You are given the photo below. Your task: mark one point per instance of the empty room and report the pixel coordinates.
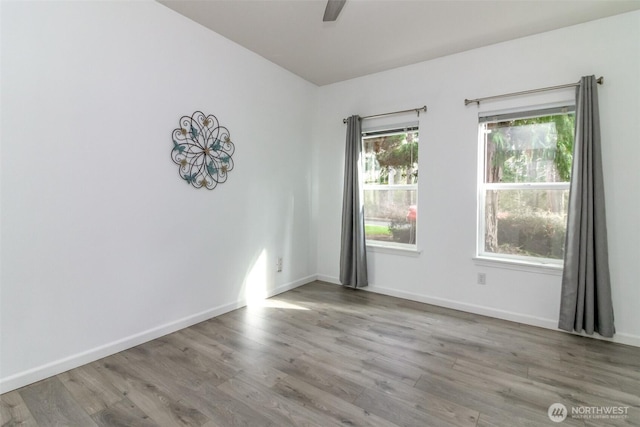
(319, 213)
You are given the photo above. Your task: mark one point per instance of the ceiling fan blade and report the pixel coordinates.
(333, 10)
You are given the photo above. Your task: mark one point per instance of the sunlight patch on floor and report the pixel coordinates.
(274, 303)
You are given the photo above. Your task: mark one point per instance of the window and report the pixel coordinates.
(391, 186)
(524, 175)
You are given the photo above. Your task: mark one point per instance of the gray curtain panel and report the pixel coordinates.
(353, 250)
(586, 288)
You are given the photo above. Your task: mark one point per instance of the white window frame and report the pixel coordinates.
(492, 117)
(392, 130)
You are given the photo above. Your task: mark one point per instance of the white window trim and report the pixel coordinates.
(393, 248)
(409, 249)
(516, 262)
(519, 265)
(390, 187)
(526, 186)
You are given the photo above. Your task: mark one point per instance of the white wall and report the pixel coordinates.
(103, 245)
(445, 273)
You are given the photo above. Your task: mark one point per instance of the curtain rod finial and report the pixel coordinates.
(600, 80)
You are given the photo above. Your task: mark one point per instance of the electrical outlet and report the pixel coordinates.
(482, 279)
(279, 264)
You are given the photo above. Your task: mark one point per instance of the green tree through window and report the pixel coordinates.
(527, 169)
(390, 186)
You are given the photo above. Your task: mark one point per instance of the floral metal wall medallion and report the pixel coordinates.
(202, 149)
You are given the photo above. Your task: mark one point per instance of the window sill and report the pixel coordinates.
(531, 267)
(394, 250)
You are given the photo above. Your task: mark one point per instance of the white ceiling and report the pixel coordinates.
(371, 36)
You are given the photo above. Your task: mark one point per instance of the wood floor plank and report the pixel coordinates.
(538, 395)
(279, 410)
(184, 363)
(429, 403)
(202, 344)
(611, 391)
(14, 411)
(395, 411)
(326, 405)
(491, 399)
(89, 388)
(123, 413)
(489, 421)
(320, 377)
(197, 393)
(598, 374)
(51, 404)
(520, 393)
(148, 393)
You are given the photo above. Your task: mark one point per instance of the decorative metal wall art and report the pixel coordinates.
(202, 149)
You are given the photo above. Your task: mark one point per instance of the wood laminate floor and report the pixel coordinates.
(322, 355)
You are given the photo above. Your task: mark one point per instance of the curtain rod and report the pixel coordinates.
(417, 110)
(525, 92)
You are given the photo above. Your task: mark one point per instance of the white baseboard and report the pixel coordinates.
(466, 307)
(329, 279)
(56, 367)
(621, 338)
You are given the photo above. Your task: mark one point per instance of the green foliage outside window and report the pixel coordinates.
(537, 150)
(390, 190)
